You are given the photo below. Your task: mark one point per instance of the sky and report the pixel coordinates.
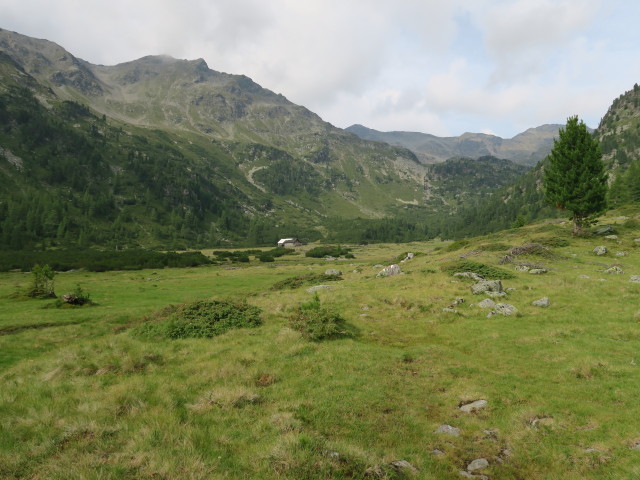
(442, 67)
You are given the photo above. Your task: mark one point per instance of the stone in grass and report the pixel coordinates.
(600, 250)
(404, 465)
(505, 309)
(487, 286)
(611, 237)
(473, 406)
(637, 240)
(496, 294)
(464, 473)
(621, 254)
(318, 287)
(614, 270)
(475, 276)
(448, 430)
(537, 271)
(389, 271)
(523, 268)
(487, 303)
(603, 230)
(635, 279)
(449, 310)
(477, 464)
(543, 302)
(332, 272)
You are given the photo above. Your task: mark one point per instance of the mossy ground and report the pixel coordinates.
(83, 397)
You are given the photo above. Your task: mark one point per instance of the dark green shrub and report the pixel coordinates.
(42, 282)
(316, 323)
(327, 251)
(266, 257)
(201, 319)
(457, 245)
(487, 271)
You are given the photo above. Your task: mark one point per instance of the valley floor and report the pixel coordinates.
(83, 396)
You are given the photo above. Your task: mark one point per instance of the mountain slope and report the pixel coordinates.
(526, 148)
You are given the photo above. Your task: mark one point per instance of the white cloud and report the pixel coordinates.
(437, 66)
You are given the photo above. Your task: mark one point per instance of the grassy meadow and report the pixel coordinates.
(82, 396)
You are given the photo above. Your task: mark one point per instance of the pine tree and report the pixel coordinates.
(574, 177)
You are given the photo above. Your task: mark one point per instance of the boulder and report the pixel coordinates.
(611, 237)
(537, 271)
(505, 309)
(543, 302)
(332, 272)
(487, 303)
(523, 268)
(448, 430)
(615, 270)
(487, 286)
(315, 288)
(635, 279)
(389, 271)
(403, 465)
(600, 250)
(473, 406)
(449, 310)
(604, 230)
(478, 464)
(472, 275)
(621, 254)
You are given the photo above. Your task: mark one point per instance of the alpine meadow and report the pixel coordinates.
(201, 279)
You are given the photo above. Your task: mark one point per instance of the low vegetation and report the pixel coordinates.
(364, 379)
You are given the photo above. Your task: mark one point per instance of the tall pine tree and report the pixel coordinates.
(574, 177)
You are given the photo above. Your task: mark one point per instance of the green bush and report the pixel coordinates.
(457, 245)
(316, 323)
(487, 271)
(266, 257)
(324, 251)
(201, 319)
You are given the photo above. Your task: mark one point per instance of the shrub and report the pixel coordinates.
(324, 251)
(42, 282)
(77, 298)
(457, 245)
(266, 257)
(316, 323)
(487, 271)
(201, 319)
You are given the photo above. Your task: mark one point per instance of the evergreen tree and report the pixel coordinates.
(574, 177)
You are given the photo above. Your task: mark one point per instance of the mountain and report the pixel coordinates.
(178, 154)
(526, 148)
(619, 136)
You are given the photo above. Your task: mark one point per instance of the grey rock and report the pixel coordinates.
(473, 406)
(315, 288)
(403, 465)
(466, 474)
(475, 276)
(449, 310)
(637, 240)
(635, 279)
(487, 286)
(522, 268)
(603, 230)
(409, 256)
(329, 258)
(621, 254)
(600, 250)
(478, 464)
(457, 301)
(611, 237)
(537, 271)
(584, 276)
(505, 309)
(448, 430)
(333, 272)
(614, 270)
(437, 453)
(487, 303)
(496, 294)
(543, 302)
(389, 271)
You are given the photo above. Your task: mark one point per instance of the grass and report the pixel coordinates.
(84, 397)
